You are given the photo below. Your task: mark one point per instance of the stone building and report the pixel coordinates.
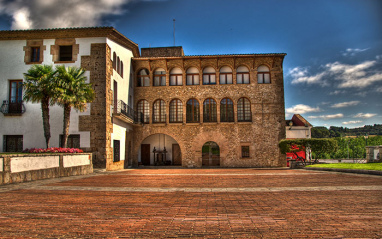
(157, 107)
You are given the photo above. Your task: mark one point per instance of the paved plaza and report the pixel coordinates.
(195, 203)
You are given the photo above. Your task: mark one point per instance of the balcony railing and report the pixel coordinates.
(159, 118)
(123, 108)
(12, 108)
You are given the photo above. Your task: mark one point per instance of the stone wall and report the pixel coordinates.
(162, 51)
(99, 121)
(267, 108)
(17, 168)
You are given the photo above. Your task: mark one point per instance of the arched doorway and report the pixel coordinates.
(210, 154)
(159, 149)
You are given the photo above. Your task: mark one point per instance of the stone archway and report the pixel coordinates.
(159, 149)
(210, 154)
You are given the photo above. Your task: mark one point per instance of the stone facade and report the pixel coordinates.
(262, 134)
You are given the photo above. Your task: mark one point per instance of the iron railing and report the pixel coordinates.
(12, 108)
(123, 108)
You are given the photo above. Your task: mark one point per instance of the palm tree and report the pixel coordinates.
(39, 86)
(73, 92)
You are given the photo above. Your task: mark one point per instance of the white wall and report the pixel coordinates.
(158, 141)
(298, 132)
(123, 92)
(30, 123)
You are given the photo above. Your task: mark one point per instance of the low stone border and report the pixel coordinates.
(342, 170)
(17, 168)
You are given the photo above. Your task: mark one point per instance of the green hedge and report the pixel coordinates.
(316, 145)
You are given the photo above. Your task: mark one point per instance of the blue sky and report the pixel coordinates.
(333, 67)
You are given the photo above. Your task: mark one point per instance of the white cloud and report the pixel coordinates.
(300, 75)
(352, 122)
(364, 116)
(379, 89)
(337, 92)
(345, 104)
(379, 57)
(36, 14)
(327, 117)
(353, 51)
(349, 76)
(301, 109)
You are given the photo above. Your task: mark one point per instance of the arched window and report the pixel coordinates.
(244, 110)
(143, 78)
(159, 77)
(192, 76)
(225, 75)
(143, 109)
(242, 75)
(192, 111)
(176, 77)
(114, 61)
(263, 75)
(121, 69)
(226, 110)
(118, 66)
(159, 112)
(209, 111)
(176, 111)
(209, 76)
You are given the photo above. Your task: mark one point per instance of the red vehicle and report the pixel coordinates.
(298, 156)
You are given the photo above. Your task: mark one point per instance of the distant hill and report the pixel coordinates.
(333, 131)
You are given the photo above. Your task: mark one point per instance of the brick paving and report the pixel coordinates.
(318, 205)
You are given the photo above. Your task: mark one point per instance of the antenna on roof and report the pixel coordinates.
(174, 30)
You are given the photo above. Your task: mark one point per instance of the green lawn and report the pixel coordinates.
(362, 166)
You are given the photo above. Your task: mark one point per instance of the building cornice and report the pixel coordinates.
(81, 32)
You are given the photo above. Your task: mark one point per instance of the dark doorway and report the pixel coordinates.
(176, 155)
(210, 154)
(117, 151)
(145, 154)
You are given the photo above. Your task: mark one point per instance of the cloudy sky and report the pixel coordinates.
(333, 67)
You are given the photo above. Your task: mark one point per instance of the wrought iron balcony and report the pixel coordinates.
(124, 109)
(16, 108)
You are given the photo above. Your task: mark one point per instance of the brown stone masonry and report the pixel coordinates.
(267, 108)
(99, 121)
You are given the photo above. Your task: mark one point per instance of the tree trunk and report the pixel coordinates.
(67, 109)
(45, 120)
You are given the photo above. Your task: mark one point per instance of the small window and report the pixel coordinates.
(225, 75)
(13, 143)
(66, 53)
(143, 78)
(159, 112)
(73, 141)
(35, 54)
(114, 61)
(245, 151)
(226, 110)
(143, 111)
(176, 111)
(176, 77)
(263, 75)
(159, 77)
(209, 111)
(121, 71)
(192, 111)
(209, 76)
(244, 110)
(192, 76)
(242, 75)
(15, 96)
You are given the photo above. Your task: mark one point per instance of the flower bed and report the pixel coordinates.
(53, 150)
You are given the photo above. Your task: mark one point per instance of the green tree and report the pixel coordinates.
(39, 86)
(73, 92)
